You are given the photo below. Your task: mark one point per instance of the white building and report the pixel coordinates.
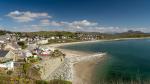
(5, 55)
(2, 41)
(53, 37)
(23, 39)
(27, 54)
(42, 42)
(8, 65)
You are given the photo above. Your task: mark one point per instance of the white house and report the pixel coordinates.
(42, 41)
(52, 37)
(5, 55)
(27, 54)
(9, 65)
(2, 41)
(23, 39)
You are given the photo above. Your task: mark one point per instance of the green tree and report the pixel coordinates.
(22, 44)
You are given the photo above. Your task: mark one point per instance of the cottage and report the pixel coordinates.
(23, 39)
(42, 41)
(9, 65)
(7, 55)
(52, 37)
(27, 54)
(89, 35)
(12, 46)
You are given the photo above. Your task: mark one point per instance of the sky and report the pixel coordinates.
(75, 15)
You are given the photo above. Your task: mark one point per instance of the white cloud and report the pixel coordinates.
(29, 28)
(111, 29)
(85, 25)
(47, 22)
(74, 24)
(98, 28)
(27, 16)
(80, 24)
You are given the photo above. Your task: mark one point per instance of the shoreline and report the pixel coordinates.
(84, 70)
(82, 64)
(78, 75)
(58, 45)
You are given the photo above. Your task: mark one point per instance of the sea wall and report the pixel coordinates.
(65, 70)
(48, 66)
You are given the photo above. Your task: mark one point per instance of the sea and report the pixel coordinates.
(126, 62)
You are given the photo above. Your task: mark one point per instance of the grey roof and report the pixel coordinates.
(15, 45)
(3, 53)
(3, 37)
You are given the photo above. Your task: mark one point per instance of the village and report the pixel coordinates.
(20, 57)
(16, 48)
(33, 57)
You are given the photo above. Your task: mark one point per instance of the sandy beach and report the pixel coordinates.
(82, 70)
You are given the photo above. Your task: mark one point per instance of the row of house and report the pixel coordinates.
(8, 51)
(11, 52)
(38, 51)
(7, 59)
(41, 40)
(89, 35)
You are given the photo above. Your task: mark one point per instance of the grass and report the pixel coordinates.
(55, 81)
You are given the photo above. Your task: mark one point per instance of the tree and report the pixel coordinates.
(22, 44)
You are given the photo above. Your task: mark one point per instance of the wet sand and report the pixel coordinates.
(83, 72)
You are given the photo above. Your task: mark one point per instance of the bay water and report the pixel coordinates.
(126, 60)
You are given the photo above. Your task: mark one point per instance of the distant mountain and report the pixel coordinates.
(133, 32)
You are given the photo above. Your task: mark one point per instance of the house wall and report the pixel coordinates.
(42, 42)
(8, 65)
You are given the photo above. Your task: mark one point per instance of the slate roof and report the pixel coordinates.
(3, 37)
(3, 53)
(15, 45)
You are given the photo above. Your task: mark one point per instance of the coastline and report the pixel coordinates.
(81, 64)
(58, 45)
(84, 71)
(78, 75)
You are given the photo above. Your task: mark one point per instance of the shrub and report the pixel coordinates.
(9, 72)
(22, 44)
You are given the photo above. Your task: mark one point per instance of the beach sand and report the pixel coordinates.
(83, 70)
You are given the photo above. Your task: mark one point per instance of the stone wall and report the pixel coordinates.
(65, 70)
(48, 66)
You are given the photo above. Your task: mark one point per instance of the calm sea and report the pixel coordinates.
(127, 60)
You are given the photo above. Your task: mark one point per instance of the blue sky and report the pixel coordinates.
(75, 15)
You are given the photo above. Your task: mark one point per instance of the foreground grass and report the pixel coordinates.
(53, 82)
(10, 80)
